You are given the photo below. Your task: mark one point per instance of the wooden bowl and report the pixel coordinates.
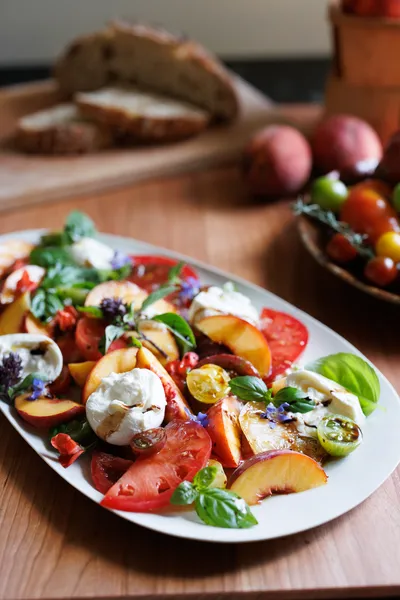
(311, 234)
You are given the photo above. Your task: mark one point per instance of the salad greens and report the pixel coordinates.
(250, 389)
(215, 506)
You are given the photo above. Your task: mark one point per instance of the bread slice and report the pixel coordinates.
(153, 58)
(143, 116)
(61, 130)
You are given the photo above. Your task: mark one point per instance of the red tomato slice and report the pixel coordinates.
(287, 338)
(69, 348)
(107, 469)
(150, 482)
(151, 271)
(88, 335)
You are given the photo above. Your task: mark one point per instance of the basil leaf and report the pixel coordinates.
(79, 431)
(157, 295)
(93, 311)
(56, 238)
(204, 478)
(50, 256)
(251, 389)
(354, 374)
(78, 226)
(175, 272)
(61, 275)
(180, 329)
(222, 508)
(75, 295)
(112, 333)
(134, 342)
(297, 400)
(184, 494)
(45, 304)
(25, 384)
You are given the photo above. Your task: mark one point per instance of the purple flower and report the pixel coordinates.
(189, 289)
(200, 418)
(119, 260)
(10, 370)
(38, 388)
(277, 415)
(112, 308)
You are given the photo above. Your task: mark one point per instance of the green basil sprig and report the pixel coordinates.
(354, 374)
(297, 400)
(214, 506)
(77, 226)
(159, 294)
(180, 329)
(250, 389)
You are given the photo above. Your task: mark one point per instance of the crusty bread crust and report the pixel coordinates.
(145, 56)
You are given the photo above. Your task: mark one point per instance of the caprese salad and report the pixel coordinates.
(180, 393)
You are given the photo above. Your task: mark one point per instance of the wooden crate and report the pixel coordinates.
(366, 50)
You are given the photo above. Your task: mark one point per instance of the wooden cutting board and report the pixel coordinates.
(25, 179)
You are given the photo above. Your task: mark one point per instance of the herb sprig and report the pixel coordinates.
(215, 506)
(328, 218)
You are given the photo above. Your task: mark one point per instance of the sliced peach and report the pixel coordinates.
(12, 318)
(160, 341)
(276, 472)
(242, 338)
(177, 407)
(47, 412)
(9, 292)
(80, 371)
(224, 431)
(11, 251)
(220, 480)
(262, 437)
(125, 290)
(119, 361)
(33, 325)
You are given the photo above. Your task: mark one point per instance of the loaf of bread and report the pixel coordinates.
(61, 129)
(142, 116)
(151, 58)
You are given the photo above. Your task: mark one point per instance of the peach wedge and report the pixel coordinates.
(80, 371)
(241, 337)
(129, 293)
(44, 413)
(224, 431)
(13, 317)
(177, 407)
(119, 361)
(276, 472)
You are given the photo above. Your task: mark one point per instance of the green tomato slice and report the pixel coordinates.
(338, 435)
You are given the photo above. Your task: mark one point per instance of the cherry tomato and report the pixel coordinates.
(150, 482)
(69, 449)
(377, 185)
(69, 348)
(389, 245)
(149, 272)
(381, 271)
(329, 193)
(208, 383)
(287, 338)
(106, 469)
(62, 383)
(368, 212)
(149, 442)
(340, 249)
(178, 368)
(67, 318)
(338, 435)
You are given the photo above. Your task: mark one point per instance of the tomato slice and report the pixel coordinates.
(287, 338)
(69, 348)
(88, 335)
(106, 469)
(151, 271)
(150, 482)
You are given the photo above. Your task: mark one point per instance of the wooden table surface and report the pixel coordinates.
(55, 543)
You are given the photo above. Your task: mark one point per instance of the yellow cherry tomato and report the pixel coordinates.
(208, 383)
(388, 245)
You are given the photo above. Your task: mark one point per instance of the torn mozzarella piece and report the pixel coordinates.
(125, 404)
(89, 252)
(222, 301)
(38, 353)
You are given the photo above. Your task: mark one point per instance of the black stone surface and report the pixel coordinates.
(283, 80)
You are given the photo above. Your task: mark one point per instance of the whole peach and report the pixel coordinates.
(277, 161)
(341, 141)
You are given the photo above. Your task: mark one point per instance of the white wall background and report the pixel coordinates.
(34, 31)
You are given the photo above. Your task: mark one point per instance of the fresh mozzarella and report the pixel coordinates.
(89, 252)
(38, 353)
(125, 404)
(217, 301)
(329, 396)
(34, 273)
